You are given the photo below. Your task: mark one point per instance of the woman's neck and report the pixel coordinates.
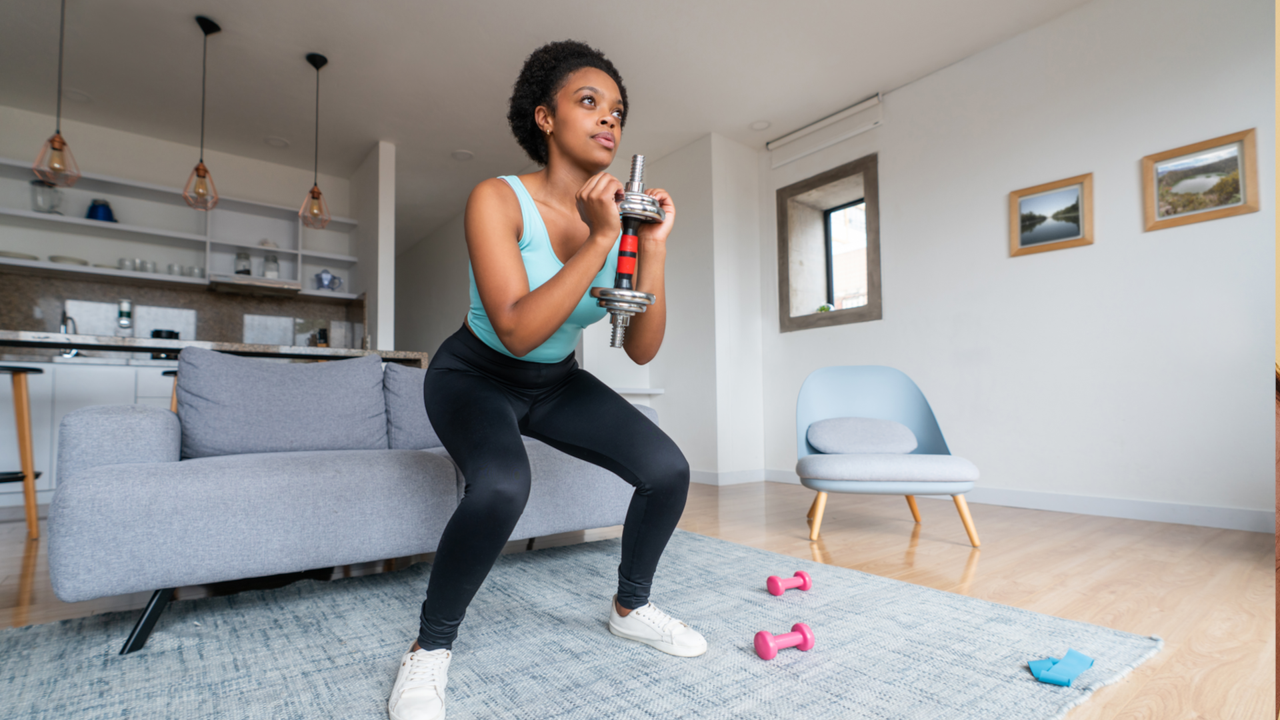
(559, 182)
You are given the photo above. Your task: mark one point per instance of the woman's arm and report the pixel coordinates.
(645, 333)
(525, 319)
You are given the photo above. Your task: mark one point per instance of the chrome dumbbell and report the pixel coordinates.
(623, 300)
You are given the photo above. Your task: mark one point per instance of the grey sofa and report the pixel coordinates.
(272, 468)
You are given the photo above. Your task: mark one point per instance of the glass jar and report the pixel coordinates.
(271, 267)
(243, 266)
(45, 197)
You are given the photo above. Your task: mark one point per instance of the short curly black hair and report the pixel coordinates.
(543, 74)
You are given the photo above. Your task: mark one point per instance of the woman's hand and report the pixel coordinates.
(598, 206)
(656, 233)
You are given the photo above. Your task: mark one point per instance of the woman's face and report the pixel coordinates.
(587, 124)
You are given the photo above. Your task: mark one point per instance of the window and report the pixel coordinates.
(829, 248)
(846, 228)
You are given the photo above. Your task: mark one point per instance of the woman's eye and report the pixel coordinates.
(589, 99)
(617, 114)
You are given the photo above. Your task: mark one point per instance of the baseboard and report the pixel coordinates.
(1263, 521)
(781, 476)
(735, 477)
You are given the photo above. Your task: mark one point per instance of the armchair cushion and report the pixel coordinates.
(860, 435)
(116, 434)
(231, 405)
(869, 467)
(408, 427)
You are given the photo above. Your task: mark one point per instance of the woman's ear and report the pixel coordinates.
(542, 116)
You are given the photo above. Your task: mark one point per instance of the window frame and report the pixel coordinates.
(831, 260)
(873, 310)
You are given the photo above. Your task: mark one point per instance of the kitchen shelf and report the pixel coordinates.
(149, 191)
(328, 256)
(329, 295)
(164, 229)
(103, 226)
(103, 272)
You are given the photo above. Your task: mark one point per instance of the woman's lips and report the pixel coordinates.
(604, 139)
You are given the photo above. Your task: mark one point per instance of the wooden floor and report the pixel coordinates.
(1209, 593)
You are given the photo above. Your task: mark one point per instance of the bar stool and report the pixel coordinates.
(173, 399)
(22, 414)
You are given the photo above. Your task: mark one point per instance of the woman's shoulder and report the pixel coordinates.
(495, 199)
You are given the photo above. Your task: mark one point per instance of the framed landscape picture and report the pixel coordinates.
(1052, 216)
(1208, 180)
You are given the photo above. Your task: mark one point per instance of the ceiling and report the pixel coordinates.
(434, 77)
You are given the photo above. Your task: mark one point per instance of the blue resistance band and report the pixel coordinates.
(1061, 672)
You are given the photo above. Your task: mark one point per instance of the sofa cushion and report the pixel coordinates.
(869, 467)
(230, 405)
(860, 435)
(141, 526)
(408, 427)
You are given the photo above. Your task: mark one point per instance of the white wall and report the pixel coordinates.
(1130, 370)
(373, 194)
(685, 367)
(738, 320)
(432, 288)
(114, 153)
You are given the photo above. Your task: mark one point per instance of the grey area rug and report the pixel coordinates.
(535, 646)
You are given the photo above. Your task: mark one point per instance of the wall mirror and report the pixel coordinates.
(829, 248)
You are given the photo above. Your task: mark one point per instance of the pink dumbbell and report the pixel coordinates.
(777, 585)
(767, 646)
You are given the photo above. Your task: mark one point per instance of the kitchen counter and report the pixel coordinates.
(58, 342)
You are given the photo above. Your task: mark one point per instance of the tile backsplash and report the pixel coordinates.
(99, 318)
(35, 302)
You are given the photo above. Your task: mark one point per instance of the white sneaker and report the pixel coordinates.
(653, 627)
(419, 690)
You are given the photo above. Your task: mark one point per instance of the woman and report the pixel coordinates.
(538, 243)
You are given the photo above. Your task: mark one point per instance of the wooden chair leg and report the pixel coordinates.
(967, 519)
(820, 505)
(813, 506)
(915, 511)
(22, 411)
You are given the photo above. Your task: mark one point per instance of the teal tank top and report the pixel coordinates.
(540, 264)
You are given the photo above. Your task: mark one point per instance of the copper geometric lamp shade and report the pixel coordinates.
(199, 192)
(315, 211)
(55, 164)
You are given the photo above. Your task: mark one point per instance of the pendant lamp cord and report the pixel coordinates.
(204, 72)
(316, 169)
(62, 31)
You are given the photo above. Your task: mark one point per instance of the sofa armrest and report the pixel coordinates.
(116, 434)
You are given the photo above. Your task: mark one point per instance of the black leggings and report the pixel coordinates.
(480, 402)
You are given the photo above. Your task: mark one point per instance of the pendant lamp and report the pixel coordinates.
(199, 191)
(55, 164)
(315, 211)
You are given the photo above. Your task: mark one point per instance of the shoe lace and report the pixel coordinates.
(425, 669)
(659, 619)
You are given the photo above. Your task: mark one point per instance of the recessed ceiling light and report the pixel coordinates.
(276, 142)
(462, 155)
(760, 125)
(76, 95)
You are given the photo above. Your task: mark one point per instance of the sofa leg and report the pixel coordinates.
(819, 506)
(530, 545)
(967, 519)
(813, 506)
(915, 511)
(151, 613)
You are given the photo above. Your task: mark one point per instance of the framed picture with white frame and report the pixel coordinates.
(1205, 181)
(1051, 216)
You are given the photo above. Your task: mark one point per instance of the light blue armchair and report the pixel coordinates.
(869, 457)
